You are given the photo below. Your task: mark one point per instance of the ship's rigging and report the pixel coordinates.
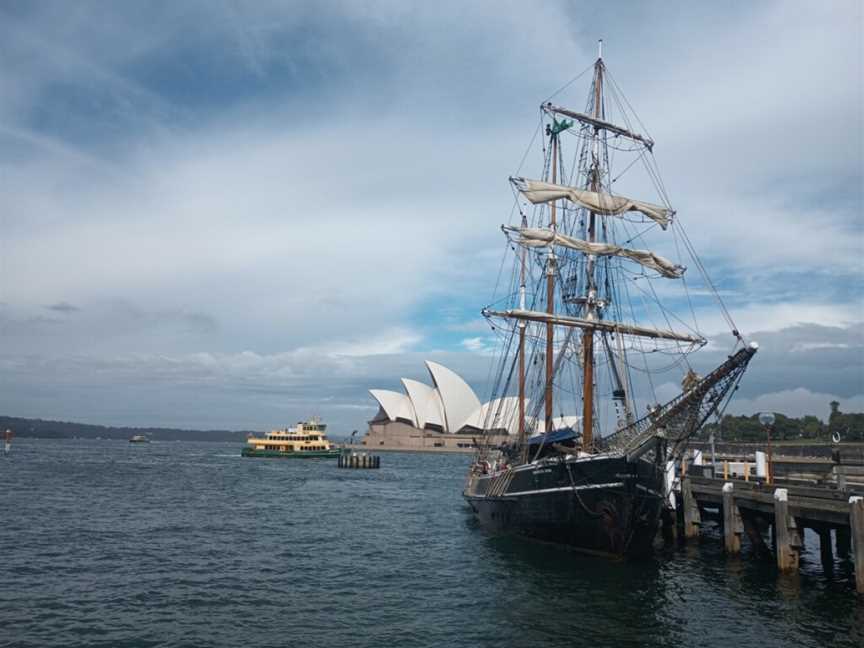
(586, 315)
(582, 306)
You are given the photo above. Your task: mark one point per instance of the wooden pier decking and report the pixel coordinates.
(821, 495)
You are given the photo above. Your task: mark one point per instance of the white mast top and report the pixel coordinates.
(600, 48)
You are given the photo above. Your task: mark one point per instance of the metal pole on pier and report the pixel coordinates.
(767, 419)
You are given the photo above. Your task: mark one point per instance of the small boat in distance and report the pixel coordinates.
(139, 438)
(306, 441)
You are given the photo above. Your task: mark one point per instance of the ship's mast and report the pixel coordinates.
(588, 335)
(522, 325)
(550, 289)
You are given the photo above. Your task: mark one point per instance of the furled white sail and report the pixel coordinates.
(543, 237)
(602, 203)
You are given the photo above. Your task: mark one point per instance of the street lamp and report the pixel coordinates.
(767, 420)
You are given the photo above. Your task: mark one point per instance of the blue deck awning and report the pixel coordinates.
(555, 436)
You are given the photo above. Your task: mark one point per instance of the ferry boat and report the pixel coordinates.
(139, 438)
(307, 440)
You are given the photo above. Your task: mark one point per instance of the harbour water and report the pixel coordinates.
(106, 543)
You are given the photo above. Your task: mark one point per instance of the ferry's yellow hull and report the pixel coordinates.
(302, 454)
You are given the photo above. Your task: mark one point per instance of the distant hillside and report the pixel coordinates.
(65, 430)
(849, 427)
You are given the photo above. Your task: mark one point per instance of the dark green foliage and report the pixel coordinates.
(850, 427)
(22, 427)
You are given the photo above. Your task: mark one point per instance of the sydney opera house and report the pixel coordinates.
(445, 416)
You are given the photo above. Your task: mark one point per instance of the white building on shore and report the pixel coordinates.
(445, 416)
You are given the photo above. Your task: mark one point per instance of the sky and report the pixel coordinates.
(240, 214)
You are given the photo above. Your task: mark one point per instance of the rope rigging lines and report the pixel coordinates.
(592, 282)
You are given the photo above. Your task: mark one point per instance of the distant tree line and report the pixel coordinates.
(848, 427)
(23, 427)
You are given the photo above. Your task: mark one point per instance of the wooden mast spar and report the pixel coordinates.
(550, 290)
(522, 325)
(588, 335)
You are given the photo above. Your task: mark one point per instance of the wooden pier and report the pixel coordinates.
(362, 460)
(820, 497)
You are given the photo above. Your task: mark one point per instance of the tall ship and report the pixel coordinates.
(306, 441)
(590, 311)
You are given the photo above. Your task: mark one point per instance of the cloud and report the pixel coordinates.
(226, 193)
(478, 345)
(63, 307)
(247, 389)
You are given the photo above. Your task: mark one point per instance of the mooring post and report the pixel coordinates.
(670, 515)
(732, 525)
(670, 484)
(856, 523)
(839, 476)
(785, 532)
(692, 519)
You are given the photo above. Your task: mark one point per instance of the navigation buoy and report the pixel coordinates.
(7, 446)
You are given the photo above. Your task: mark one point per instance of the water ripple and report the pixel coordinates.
(184, 544)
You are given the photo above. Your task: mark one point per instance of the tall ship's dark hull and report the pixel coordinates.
(598, 504)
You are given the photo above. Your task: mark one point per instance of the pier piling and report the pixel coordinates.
(856, 523)
(844, 542)
(786, 532)
(692, 519)
(826, 547)
(361, 461)
(732, 525)
(751, 528)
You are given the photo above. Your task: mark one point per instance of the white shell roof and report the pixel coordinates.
(394, 404)
(458, 398)
(452, 404)
(497, 414)
(426, 401)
